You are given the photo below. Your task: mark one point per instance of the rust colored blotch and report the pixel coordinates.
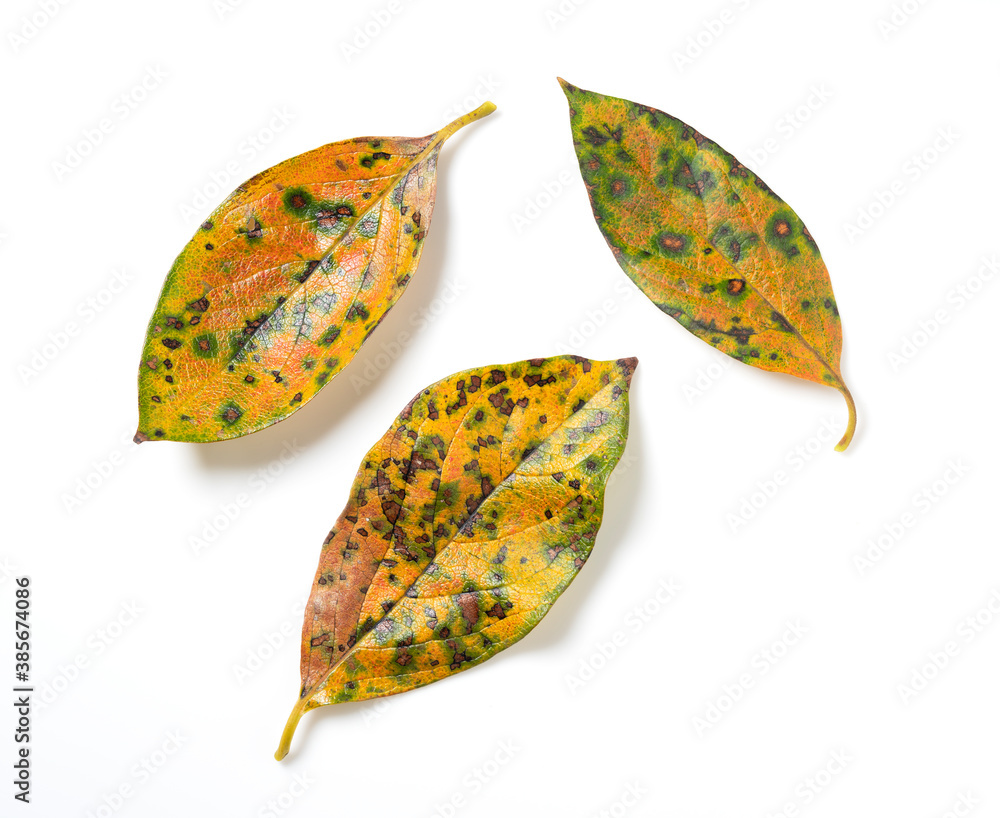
(672, 242)
(469, 607)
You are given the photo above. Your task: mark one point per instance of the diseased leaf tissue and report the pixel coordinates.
(283, 283)
(707, 240)
(465, 522)
(483, 500)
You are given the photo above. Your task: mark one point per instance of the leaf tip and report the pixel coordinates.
(567, 87)
(140, 437)
(627, 366)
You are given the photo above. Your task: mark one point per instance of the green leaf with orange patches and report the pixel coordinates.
(466, 520)
(283, 283)
(707, 240)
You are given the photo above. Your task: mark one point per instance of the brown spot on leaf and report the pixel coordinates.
(469, 606)
(672, 242)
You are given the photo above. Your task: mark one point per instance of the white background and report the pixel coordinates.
(196, 663)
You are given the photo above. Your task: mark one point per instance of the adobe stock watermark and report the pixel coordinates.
(629, 798)
(93, 136)
(281, 803)
(796, 459)
(235, 169)
(706, 377)
(227, 513)
(34, 23)
(484, 89)
(223, 8)
(477, 779)
(761, 663)
(627, 461)
(913, 170)
(939, 659)
(95, 645)
(711, 30)
(86, 312)
(271, 641)
(963, 806)
(419, 321)
(898, 17)
(541, 200)
(102, 469)
(596, 319)
(633, 623)
(367, 31)
(812, 786)
(375, 709)
(6, 570)
(878, 546)
(139, 775)
(559, 13)
(955, 300)
(788, 125)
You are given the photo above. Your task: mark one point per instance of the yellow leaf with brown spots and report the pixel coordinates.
(283, 283)
(707, 241)
(466, 520)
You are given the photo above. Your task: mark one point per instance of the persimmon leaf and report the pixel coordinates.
(707, 240)
(466, 520)
(283, 283)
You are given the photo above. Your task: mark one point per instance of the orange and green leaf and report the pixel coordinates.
(465, 522)
(707, 240)
(283, 283)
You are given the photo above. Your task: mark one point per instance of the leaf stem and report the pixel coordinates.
(289, 731)
(852, 420)
(485, 109)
